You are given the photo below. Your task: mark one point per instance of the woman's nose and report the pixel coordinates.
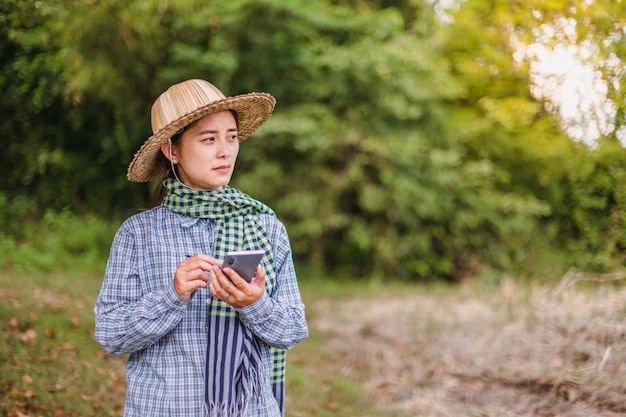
(223, 149)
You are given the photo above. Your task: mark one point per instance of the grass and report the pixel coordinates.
(316, 385)
(488, 349)
(50, 364)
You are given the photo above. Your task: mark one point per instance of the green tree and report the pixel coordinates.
(523, 134)
(360, 163)
(594, 33)
(36, 116)
(358, 157)
(400, 145)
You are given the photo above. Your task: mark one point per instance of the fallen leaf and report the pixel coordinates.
(68, 346)
(28, 336)
(113, 376)
(54, 352)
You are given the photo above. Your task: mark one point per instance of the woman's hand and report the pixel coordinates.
(228, 286)
(191, 274)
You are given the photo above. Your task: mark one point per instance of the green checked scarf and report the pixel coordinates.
(234, 370)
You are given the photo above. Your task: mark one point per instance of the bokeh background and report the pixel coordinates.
(413, 142)
(415, 139)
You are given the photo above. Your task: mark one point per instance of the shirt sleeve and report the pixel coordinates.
(127, 319)
(279, 320)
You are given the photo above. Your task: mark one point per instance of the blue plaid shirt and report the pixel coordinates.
(139, 312)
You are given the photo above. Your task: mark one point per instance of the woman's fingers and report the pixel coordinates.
(225, 284)
(191, 274)
(229, 287)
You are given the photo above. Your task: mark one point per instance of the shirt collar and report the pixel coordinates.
(188, 221)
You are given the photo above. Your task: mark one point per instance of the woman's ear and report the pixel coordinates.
(169, 153)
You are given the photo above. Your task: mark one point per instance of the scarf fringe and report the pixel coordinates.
(240, 407)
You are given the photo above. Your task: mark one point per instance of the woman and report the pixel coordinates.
(202, 340)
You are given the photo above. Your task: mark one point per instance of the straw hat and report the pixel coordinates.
(183, 104)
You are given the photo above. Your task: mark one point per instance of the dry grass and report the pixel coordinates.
(514, 351)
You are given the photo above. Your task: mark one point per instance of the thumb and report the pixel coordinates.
(259, 279)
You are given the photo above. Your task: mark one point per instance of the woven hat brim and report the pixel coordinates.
(252, 110)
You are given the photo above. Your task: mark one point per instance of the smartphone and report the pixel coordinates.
(244, 262)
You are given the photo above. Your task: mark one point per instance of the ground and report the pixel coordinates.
(503, 349)
(517, 350)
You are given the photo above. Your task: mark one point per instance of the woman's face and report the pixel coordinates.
(206, 152)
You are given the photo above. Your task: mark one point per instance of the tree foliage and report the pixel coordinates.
(517, 129)
(593, 33)
(401, 145)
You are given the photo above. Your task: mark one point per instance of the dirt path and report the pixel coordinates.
(508, 352)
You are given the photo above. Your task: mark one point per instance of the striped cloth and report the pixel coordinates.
(233, 363)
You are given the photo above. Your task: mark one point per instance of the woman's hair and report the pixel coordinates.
(159, 192)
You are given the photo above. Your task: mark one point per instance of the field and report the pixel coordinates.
(508, 351)
(503, 349)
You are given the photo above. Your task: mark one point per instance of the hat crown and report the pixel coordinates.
(183, 104)
(182, 99)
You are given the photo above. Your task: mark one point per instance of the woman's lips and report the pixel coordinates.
(222, 168)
